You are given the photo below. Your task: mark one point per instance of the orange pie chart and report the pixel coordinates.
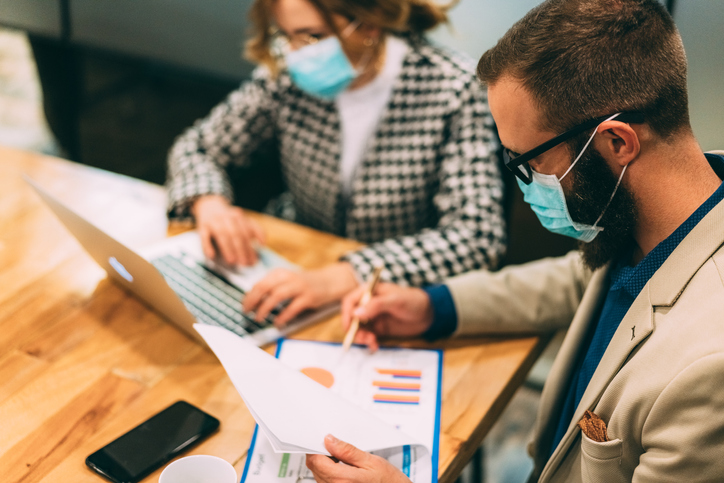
(322, 376)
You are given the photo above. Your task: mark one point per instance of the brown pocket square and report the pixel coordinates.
(593, 427)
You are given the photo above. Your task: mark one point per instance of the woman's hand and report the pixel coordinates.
(304, 290)
(226, 231)
(359, 467)
(393, 311)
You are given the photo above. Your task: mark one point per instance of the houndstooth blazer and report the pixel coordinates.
(426, 196)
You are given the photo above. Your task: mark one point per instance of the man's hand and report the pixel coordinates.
(359, 467)
(226, 226)
(304, 290)
(393, 311)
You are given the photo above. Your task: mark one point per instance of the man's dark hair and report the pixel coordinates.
(585, 58)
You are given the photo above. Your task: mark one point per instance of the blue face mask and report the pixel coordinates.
(545, 196)
(322, 69)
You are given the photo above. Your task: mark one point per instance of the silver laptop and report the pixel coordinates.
(174, 278)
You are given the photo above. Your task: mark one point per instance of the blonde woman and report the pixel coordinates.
(383, 138)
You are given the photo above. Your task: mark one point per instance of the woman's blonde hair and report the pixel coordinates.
(398, 16)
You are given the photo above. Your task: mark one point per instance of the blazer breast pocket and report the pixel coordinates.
(601, 462)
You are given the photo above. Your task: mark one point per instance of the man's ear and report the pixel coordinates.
(617, 142)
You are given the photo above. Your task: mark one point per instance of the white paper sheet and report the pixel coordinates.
(294, 413)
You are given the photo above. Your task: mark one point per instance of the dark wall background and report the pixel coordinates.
(122, 78)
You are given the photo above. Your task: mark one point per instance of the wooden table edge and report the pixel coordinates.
(467, 448)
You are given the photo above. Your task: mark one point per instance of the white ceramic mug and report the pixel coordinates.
(198, 469)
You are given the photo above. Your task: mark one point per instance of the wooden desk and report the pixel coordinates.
(81, 361)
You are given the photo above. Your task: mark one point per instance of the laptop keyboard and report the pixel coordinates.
(208, 296)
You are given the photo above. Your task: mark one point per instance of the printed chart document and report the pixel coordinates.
(387, 403)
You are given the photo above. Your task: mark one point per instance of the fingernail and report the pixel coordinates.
(359, 312)
(331, 439)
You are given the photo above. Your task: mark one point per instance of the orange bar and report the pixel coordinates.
(400, 372)
(395, 398)
(397, 385)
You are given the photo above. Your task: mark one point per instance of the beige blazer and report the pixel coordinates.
(660, 384)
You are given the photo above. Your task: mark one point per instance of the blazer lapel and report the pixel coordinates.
(556, 385)
(635, 327)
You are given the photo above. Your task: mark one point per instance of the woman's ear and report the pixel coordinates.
(370, 33)
(617, 142)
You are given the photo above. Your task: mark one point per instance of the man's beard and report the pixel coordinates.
(593, 185)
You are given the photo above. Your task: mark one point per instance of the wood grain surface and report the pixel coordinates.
(82, 361)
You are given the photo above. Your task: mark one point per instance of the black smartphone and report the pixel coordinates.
(152, 443)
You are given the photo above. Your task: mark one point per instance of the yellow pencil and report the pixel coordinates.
(354, 326)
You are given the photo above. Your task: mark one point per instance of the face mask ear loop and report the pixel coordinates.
(586, 147)
(350, 28)
(612, 195)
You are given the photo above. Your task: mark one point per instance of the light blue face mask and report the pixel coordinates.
(322, 69)
(545, 196)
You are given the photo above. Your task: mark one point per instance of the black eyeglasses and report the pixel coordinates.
(518, 163)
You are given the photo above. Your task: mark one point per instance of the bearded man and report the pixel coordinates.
(590, 101)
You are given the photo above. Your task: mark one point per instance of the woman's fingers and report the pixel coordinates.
(274, 297)
(206, 244)
(295, 307)
(227, 227)
(262, 288)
